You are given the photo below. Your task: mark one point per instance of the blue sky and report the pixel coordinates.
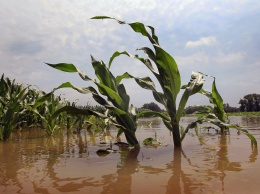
(216, 37)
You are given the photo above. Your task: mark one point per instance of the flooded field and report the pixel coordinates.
(68, 163)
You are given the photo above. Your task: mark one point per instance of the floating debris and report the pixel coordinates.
(105, 152)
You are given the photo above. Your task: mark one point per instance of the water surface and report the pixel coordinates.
(207, 163)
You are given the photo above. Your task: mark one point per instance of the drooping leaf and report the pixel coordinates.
(69, 85)
(139, 28)
(67, 67)
(123, 76)
(116, 54)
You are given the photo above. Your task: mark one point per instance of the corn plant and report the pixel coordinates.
(48, 104)
(12, 106)
(117, 98)
(71, 120)
(168, 76)
(216, 115)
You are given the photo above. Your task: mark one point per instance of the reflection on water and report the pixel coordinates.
(251, 122)
(67, 162)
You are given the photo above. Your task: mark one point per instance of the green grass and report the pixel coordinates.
(244, 114)
(229, 114)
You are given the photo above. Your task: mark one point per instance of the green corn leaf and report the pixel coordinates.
(103, 74)
(123, 76)
(116, 54)
(101, 17)
(47, 96)
(100, 99)
(149, 53)
(168, 125)
(69, 85)
(218, 102)
(172, 74)
(253, 140)
(113, 96)
(120, 131)
(123, 118)
(153, 34)
(139, 28)
(207, 94)
(163, 60)
(144, 61)
(160, 97)
(136, 26)
(67, 67)
(124, 96)
(41, 100)
(145, 83)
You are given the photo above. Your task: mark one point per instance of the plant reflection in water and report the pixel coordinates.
(32, 162)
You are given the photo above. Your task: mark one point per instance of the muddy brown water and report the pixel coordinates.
(67, 163)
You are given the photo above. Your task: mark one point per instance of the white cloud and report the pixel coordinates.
(231, 58)
(60, 31)
(210, 40)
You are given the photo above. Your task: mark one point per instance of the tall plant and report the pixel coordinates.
(167, 74)
(109, 86)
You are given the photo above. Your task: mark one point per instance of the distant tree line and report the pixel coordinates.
(152, 106)
(250, 103)
(196, 109)
(228, 108)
